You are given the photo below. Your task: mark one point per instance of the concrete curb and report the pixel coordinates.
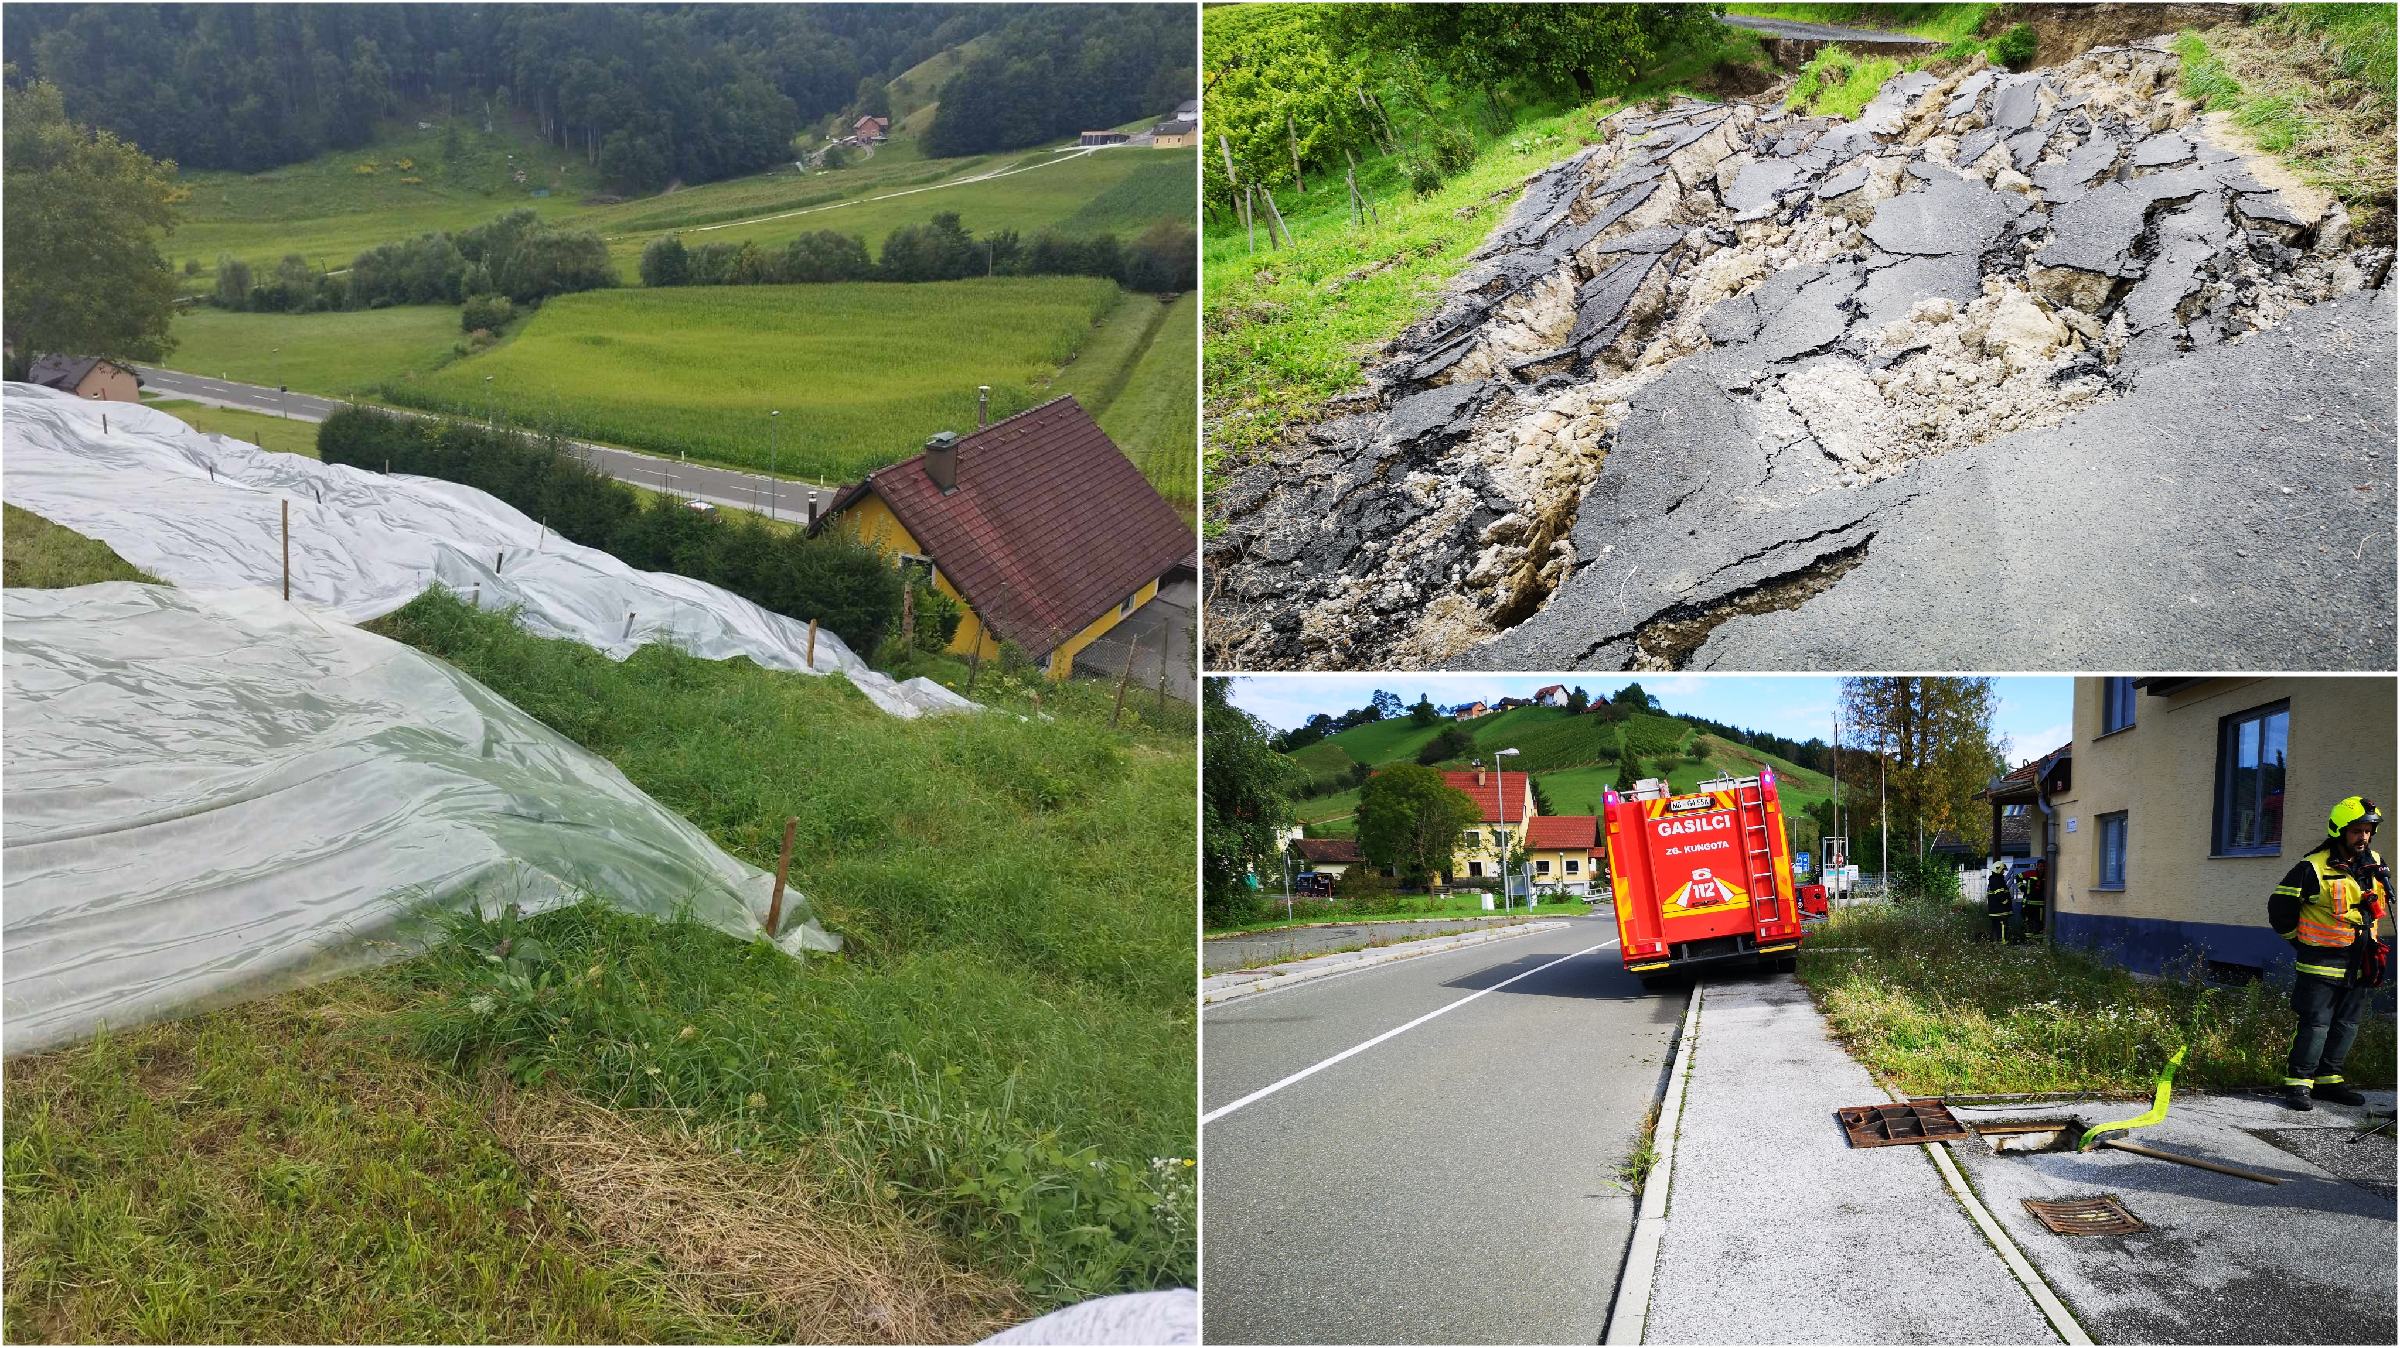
(1629, 1315)
(2062, 1320)
(1238, 983)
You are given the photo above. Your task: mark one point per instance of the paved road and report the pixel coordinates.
(692, 481)
(1455, 1183)
(1220, 953)
(1823, 32)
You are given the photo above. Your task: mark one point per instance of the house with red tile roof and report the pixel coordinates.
(1504, 802)
(1038, 525)
(1565, 853)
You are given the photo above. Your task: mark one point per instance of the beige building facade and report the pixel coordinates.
(2188, 800)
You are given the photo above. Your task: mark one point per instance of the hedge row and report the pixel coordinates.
(832, 578)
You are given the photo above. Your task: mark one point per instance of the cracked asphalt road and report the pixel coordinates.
(2013, 371)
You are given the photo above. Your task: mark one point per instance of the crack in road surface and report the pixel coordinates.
(1725, 331)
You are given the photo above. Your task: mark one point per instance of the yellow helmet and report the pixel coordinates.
(2351, 810)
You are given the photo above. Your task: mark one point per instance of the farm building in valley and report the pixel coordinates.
(1104, 138)
(1037, 524)
(1175, 134)
(87, 377)
(871, 128)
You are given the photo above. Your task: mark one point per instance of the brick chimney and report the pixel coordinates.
(941, 461)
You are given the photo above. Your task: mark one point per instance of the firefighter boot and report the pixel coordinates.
(2334, 1092)
(2295, 1096)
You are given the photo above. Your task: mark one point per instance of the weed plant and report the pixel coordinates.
(1926, 1005)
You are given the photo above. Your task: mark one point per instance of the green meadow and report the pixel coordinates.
(337, 354)
(1135, 378)
(862, 372)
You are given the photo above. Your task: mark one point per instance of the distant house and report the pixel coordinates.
(1037, 524)
(1188, 111)
(871, 127)
(1175, 134)
(1104, 138)
(1472, 710)
(1565, 852)
(1553, 696)
(1327, 856)
(87, 377)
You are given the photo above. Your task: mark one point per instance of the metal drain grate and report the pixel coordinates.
(1894, 1125)
(2101, 1216)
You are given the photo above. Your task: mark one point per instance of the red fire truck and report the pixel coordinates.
(1702, 878)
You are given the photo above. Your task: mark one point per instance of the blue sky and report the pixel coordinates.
(2035, 713)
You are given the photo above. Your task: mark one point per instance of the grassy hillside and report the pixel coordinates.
(39, 555)
(330, 353)
(1138, 376)
(591, 1127)
(328, 211)
(864, 373)
(1572, 758)
(257, 428)
(1121, 191)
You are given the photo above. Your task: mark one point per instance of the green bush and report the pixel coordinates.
(2015, 47)
(1928, 879)
(832, 578)
(1453, 150)
(488, 312)
(1424, 176)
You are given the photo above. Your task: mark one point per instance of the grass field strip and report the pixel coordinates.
(1059, 157)
(1353, 1051)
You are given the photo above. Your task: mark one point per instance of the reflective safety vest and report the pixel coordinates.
(2333, 909)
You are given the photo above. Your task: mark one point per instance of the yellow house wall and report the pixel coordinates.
(2162, 772)
(1558, 875)
(882, 530)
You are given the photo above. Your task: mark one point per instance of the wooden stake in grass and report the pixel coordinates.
(783, 868)
(628, 634)
(1122, 680)
(1275, 218)
(908, 617)
(812, 643)
(1292, 133)
(287, 549)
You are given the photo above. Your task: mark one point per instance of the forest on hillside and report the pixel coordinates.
(648, 94)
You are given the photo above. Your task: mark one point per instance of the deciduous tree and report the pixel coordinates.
(87, 218)
(1409, 819)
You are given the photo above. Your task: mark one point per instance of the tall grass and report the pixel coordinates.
(863, 373)
(1839, 83)
(1931, 1009)
(1007, 1040)
(1155, 415)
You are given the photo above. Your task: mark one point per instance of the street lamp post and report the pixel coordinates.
(1507, 895)
(772, 418)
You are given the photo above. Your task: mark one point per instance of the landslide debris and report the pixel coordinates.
(1701, 355)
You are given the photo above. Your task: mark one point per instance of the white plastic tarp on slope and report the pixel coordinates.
(212, 798)
(204, 511)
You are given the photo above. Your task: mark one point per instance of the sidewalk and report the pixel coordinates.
(1779, 1231)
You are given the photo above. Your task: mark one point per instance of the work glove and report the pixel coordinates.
(2379, 964)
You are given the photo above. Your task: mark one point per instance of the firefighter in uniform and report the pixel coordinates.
(2328, 907)
(1999, 899)
(2037, 902)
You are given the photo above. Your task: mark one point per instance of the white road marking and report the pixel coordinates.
(1306, 1072)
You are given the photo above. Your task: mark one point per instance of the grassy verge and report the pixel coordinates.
(2311, 85)
(1288, 329)
(1321, 912)
(1838, 83)
(1933, 1011)
(1633, 1173)
(280, 434)
(39, 555)
(862, 372)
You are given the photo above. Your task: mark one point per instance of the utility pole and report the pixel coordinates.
(1508, 898)
(772, 418)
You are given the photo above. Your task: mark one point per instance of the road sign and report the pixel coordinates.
(1801, 864)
